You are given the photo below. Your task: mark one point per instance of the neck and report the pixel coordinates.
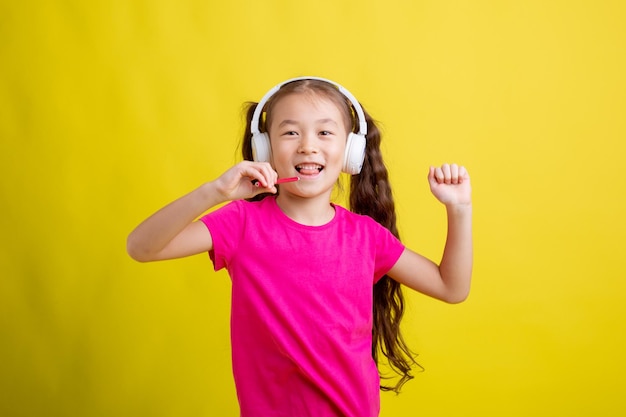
(307, 211)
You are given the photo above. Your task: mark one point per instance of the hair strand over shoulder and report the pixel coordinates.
(370, 194)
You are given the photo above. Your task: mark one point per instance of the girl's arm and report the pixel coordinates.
(173, 231)
(450, 280)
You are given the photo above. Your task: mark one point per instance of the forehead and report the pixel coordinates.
(310, 100)
(308, 104)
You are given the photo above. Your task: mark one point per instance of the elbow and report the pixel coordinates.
(135, 254)
(456, 297)
(135, 251)
(137, 257)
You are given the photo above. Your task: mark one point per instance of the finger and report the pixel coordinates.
(454, 174)
(463, 175)
(431, 176)
(447, 176)
(271, 175)
(439, 175)
(264, 185)
(258, 179)
(262, 190)
(431, 173)
(264, 175)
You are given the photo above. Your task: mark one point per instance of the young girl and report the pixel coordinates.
(315, 288)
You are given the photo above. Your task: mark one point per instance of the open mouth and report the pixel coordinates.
(309, 169)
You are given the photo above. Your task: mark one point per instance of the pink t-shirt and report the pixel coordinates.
(301, 319)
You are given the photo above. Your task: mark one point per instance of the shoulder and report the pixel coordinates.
(361, 226)
(245, 206)
(361, 220)
(236, 212)
(365, 223)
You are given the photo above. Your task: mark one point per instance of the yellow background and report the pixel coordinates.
(110, 109)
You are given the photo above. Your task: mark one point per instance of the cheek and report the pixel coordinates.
(340, 150)
(281, 149)
(335, 157)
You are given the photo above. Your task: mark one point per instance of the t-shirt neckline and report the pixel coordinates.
(292, 223)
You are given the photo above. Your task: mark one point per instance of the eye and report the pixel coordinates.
(290, 133)
(325, 133)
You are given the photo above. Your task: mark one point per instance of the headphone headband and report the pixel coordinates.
(254, 125)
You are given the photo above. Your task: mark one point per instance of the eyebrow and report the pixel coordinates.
(319, 121)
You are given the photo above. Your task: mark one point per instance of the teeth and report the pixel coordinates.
(309, 166)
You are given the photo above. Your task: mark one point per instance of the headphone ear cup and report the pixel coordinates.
(355, 154)
(261, 147)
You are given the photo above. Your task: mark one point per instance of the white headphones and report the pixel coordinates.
(355, 146)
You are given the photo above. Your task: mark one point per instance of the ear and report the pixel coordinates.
(355, 154)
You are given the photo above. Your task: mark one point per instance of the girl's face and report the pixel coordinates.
(308, 136)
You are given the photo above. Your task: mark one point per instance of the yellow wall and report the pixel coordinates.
(110, 109)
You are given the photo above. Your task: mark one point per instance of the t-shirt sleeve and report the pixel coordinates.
(388, 251)
(225, 225)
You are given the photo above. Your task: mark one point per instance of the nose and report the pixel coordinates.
(308, 144)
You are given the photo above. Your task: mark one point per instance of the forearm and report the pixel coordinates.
(457, 260)
(158, 230)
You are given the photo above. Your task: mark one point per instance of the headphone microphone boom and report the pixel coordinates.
(355, 145)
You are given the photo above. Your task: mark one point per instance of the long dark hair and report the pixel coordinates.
(370, 194)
